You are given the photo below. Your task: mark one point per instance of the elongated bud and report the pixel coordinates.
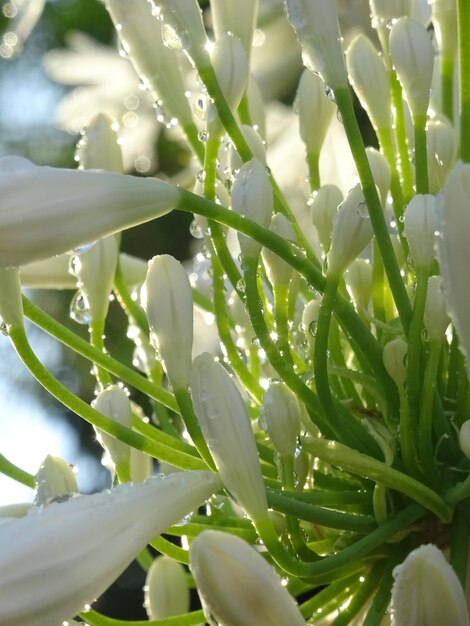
(99, 147)
(323, 209)
(237, 17)
(142, 36)
(255, 143)
(252, 197)
(436, 318)
(464, 438)
(237, 586)
(114, 403)
(168, 301)
(369, 77)
(256, 106)
(420, 229)
(54, 479)
(310, 320)
(413, 58)
(40, 206)
(166, 589)
(441, 147)
(315, 111)
(228, 433)
(352, 231)
(184, 29)
(317, 28)
(380, 173)
(426, 591)
(454, 229)
(394, 356)
(141, 466)
(384, 13)
(444, 19)
(11, 306)
(280, 417)
(279, 272)
(359, 282)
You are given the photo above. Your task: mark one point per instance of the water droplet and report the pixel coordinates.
(80, 309)
(4, 329)
(196, 230)
(201, 176)
(203, 136)
(241, 285)
(171, 38)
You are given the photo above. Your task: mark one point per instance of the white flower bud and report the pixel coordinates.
(46, 211)
(359, 282)
(58, 558)
(380, 173)
(166, 589)
(454, 229)
(309, 320)
(255, 143)
(427, 592)
(256, 107)
(279, 272)
(317, 28)
(228, 433)
(444, 19)
(252, 197)
(413, 58)
(464, 438)
(280, 417)
(168, 301)
(55, 478)
(369, 77)
(388, 10)
(142, 37)
(436, 318)
(114, 403)
(420, 224)
(237, 586)
(323, 209)
(141, 466)
(183, 28)
(441, 147)
(352, 231)
(394, 357)
(315, 111)
(11, 305)
(98, 148)
(237, 17)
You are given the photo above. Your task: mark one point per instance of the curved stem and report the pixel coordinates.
(16, 473)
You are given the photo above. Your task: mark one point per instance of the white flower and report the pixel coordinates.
(114, 403)
(237, 586)
(166, 589)
(55, 478)
(46, 211)
(60, 557)
(237, 17)
(420, 227)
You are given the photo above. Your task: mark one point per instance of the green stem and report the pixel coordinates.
(282, 321)
(404, 164)
(360, 597)
(16, 473)
(463, 19)
(129, 305)
(82, 347)
(286, 465)
(335, 594)
(421, 154)
(192, 136)
(425, 428)
(351, 126)
(97, 341)
(381, 599)
(188, 619)
(354, 462)
(459, 541)
(406, 438)
(313, 162)
(168, 548)
(183, 398)
(385, 136)
(447, 87)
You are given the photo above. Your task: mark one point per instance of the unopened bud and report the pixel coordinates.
(114, 403)
(255, 143)
(380, 173)
(279, 272)
(441, 147)
(359, 282)
(166, 589)
(436, 318)
(420, 225)
(237, 17)
(54, 479)
(394, 359)
(323, 210)
(315, 111)
(99, 148)
(280, 417)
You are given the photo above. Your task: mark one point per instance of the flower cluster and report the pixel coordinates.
(307, 372)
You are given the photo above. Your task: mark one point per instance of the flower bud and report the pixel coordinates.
(436, 318)
(98, 148)
(252, 197)
(237, 586)
(323, 210)
(46, 211)
(228, 433)
(166, 589)
(237, 17)
(183, 28)
(316, 25)
(114, 403)
(426, 591)
(352, 231)
(142, 37)
(54, 479)
(279, 272)
(464, 438)
(256, 107)
(380, 173)
(394, 357)
(420, 224)
(444, 20)
(315, 111)
(255, 143)
(309, 320)
(454, 229)
(168, 301)
(413, 58)
(280, 417)
(11, 305)
(441, 148)
(359, 282)
(369, 77)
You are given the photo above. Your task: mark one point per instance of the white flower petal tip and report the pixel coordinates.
(237, 586)
(60, 557)
(427, 592)
(46, 211)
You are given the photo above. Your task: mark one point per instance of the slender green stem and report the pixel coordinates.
(360, 597)
(407, 439)
(425, 429)
(421, 154)
(352, 461)
(192, 136)
(16, 473)
(97, 341)
(336, 593)
(282, 320)
(447, 87)
(170, 549)
(129, 305)
(185, 403)
(188, 619)
(80, 346)
(313, 162)
(459, 541)
(463, 19)
(404, 164)
(381, 599)
(351, 126)
(332, 499)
